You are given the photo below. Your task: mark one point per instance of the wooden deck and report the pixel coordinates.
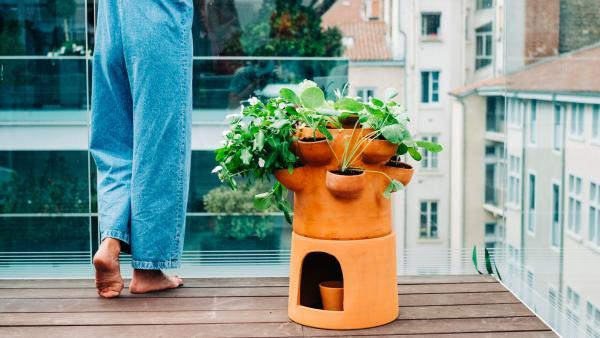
(437, 306)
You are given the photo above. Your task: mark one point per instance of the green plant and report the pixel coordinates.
(490, 263)
(236, 216)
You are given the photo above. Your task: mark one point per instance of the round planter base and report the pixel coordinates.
(367, 268)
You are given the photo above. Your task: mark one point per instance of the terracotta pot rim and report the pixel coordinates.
(410, 167)
(332, 284)
(333, 172)
(319, 140)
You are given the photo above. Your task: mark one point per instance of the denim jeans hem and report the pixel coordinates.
(149, 265)
(123, 237)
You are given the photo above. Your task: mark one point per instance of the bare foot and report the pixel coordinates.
(108, 272)
(152, 280)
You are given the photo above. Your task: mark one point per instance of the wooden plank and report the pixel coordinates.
(236, 282)
(521, 334)
(225, 303)
(434, 326)
(464, 311)
(238, 291)
(248, 330)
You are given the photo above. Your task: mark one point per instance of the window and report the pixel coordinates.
(556, 216)
(558, 126)
(483, 46)
(429, 219)
(483, 4)
(430, 82)
(514, 180)
(576, 129)
(516, 108)
(430, 25)
(533, 122)
(430, 160)
(490, 229)
(573, 300)
(494, 115)
(495, 174)
(529, 293)
(594, 221)
(531, 205)
(596, 123)
(592, 318)
(365, 93)
(552, 300)
(575, 204)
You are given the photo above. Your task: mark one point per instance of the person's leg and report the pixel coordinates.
(111, 143)
(158, 53)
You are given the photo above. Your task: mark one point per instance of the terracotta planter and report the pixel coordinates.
(332, 295)
(345, 186)
(315, 153)
(379, 151)
(400, 171)
(294, 181)
(349, 122)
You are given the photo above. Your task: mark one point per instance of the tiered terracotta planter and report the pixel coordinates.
(343, 234)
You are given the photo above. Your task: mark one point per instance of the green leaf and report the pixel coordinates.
(259, 141)
(497, 271)
(246, 156)
(402, 149)
(313, 97)
(325, 132)
(377, 102)
(262, 201)
(280, 124)
(349, 104)
(392, 187)
(289, 95)
(414, 153)
(390, 93)
(474, 258)
(488, 262)
(393, 133)
(430, 146)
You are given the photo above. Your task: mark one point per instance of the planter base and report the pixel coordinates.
(367, 268)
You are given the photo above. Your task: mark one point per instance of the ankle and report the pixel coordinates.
(111, 244)
(139, 273)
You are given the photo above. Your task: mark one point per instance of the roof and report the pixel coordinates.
(575, 72)
(368, 37)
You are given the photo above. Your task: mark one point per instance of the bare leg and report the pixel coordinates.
(152, 280)
(108, 272)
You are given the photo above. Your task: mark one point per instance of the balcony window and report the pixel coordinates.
(430, 25)
(430, 160)
(494, 117)
(576, 130)
(532, 122)
(514, 180)
(484, 4)
(428, 227)
(483, 46)
(594, 215)
(575, 204)
(531, 209)
(558, 127)
(556, 216)
(430, 86)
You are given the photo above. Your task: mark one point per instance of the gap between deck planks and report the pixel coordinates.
(442, 306)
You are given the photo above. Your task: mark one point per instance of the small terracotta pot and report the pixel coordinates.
(314, 153)
(332, 295)
(294, 181)
(349, 122)
(309, 133)
(345, 186)
(379, 151)
(400, 171)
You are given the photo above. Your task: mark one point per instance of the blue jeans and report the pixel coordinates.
(141, 125)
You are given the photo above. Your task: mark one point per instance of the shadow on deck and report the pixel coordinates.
(430, 306)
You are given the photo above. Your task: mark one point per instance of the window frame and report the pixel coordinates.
(558, 127)
(594, 215)
(424, 26)
(532, 137)
(484, 46)
(484, 4)
(431, 92)
(575, 206)
(429, 158)
(531, 202)
(514, 181)
(555, 215)
(576, 124)
(596, 124)
(365, 90)
(431, 228)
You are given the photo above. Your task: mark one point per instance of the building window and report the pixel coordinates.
(558, 126)
(494, 115)
(529, 293)
(594, 224)
(532, 122)
(495, 171)
(365, 93)
(556, 216)
(483, 4)
(576, 129)
(573, 300)
(429, 219)
(596, 123)
(531, 204)
(430, 25)
(575, 204)
(430, 82)
(514, 180)
(483, 46)
(552, 301)
(516, 108)
(430, 160)
(592, 318)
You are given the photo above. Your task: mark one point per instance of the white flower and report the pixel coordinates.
(253, 101)
(217, 169)
(261, 162)
(282, 105)
(304, 85)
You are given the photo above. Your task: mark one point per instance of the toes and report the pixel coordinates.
(109, 293)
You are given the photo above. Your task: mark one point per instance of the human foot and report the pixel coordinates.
(152, 280)
(108, 273)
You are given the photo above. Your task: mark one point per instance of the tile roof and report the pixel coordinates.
(576, 72)
(368, 37)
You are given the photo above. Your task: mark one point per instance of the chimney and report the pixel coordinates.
(542, 22)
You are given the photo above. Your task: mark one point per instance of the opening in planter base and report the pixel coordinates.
(367, 268)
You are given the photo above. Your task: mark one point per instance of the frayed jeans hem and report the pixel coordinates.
(149, 265)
